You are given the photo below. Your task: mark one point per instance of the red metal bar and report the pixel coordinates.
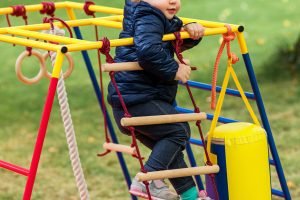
(14, 168)
(40, 139)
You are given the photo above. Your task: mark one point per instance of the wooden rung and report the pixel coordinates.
(125, 66)
(175, 173)
(119, 148)
(162, 119)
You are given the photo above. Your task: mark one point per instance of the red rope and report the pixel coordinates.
(51, 22)
(48, 8)
(86, 9)
(29, 49)
(86, 6)
(18, 10)
(105, 49)
(52, 19)
(227, 38)
(107, 139)
(177, 47)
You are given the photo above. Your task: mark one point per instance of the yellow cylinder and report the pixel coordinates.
(247, 160)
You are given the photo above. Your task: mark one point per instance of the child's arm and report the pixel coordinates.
(152, 57)
(196, 32)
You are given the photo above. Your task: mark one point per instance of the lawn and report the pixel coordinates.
(268, 26)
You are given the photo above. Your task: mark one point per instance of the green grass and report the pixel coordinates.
(269, 24)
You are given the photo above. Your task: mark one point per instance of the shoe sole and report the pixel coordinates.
(143, 195)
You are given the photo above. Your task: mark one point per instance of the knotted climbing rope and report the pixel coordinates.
(177, 48)
(68, 125)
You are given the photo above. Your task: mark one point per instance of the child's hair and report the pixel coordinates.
(135, 1)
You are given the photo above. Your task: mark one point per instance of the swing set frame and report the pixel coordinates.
(72, 45)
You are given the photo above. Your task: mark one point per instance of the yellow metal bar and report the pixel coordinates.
(117, 18)
(94, 45)
(111, 10)
(29, 43)
(101, 21)
(71, 14)
(129, 41)
(185, 20)
(46, 26)
(209, 24)
(118, 11)
(43, 36)
(107, 23)
(71, 23)
(31, 8)
(242, 43)
(87, 45)
(58, 64)
(108, 10)
(95, 8)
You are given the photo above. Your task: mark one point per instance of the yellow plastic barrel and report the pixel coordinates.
(242, 154)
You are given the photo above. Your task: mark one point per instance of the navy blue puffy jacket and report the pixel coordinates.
(147, 25)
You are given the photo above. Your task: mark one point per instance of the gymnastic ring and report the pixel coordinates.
(18, 67)
(69, 70)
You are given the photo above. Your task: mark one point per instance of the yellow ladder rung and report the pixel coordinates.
(119, 148)
(175, 173)
(162, 119)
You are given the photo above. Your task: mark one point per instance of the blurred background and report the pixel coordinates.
(272, 34)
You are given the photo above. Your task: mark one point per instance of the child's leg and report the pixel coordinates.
(158, 188)
(167, 154)
(170, 140)
(177, 182)
(190, 194)
(118, 115)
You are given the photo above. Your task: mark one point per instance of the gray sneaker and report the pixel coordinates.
(158, 189)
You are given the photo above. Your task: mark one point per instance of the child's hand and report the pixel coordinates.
(183, 73)
(195, 30)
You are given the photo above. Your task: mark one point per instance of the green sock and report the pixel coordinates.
(190, 194)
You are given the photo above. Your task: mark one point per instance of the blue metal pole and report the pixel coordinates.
(266, 125)
(209, 116)
(277, 193)
(194, 164)
(109, 123)
(229, 91)
(196, 142)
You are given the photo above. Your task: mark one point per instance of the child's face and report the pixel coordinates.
(168, 7)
